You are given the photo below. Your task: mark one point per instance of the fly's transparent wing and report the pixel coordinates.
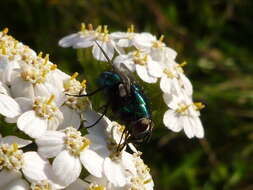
(123, 71)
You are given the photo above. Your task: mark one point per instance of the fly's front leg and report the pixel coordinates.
(106, 106)
(88, 94)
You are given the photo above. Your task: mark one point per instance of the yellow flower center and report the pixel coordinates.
(140, 58)
(45, 108)
(96, 187)
(42, 185)
(168, 73)
(74, 142)
(159, 43)
(11, 157)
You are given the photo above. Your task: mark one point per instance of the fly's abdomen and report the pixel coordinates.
(137, 107)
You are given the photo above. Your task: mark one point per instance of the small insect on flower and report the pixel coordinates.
(126, 99)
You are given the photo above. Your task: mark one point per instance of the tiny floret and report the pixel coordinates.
(11, 157)
(75, 142)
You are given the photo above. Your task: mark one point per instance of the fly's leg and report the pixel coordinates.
(89, 94)
(121, 138)
(105, 110)
(121, 147)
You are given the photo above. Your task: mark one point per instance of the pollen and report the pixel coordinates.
(45, 108)
(75, 142)
(3, 48)
(5, 30)
(11, 157)
(83, 83)
(106, 31)
(140, 58)
(99, 29)
(35, 69)
(159, 43)
(182, 109)
(168, 73)
(96, 187)
(40, 54)
(74, 76)
(183, 64)
(142, 178)
(73, 86)
(41, 185)
(199, 105)
(83, 27)
(46, 59)
(131, 29)
(90, 27)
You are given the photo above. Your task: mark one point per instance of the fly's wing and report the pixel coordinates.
(121, 71)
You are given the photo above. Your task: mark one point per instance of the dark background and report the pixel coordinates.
(214, 37)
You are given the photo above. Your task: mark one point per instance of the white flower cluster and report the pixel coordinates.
(151, 59)
(33, 96)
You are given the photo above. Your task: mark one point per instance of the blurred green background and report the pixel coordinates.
(214, 37)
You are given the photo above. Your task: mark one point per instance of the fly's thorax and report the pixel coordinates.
(109, 79)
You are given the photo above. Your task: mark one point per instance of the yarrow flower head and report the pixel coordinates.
(43, 102)
(71, 150)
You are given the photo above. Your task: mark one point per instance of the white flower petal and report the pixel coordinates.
(69, 40)
(35, 168)
(108, 49)
(154, 69)
(197, 127)
(4, 89)
(118, 35)
(7, 73)
(170, 53)
(143, 40)
(21, 88)
(7, 176)
(85, 42)
(114, 173)
(166, 84)
(66, 167)
(11, 120)
(144, 75)
(168, 99)
(8, 106)
(78, 185)
(44, 90)
(71, 118)
(3, 62)
(125, 43)
(31, 124)
(18, 184)
(188, 128)
(91, 117)
(171, 121)
(99, 145)
(51, 143)
(13, 139)
(92, 162)
(124, 60)
(54, 122)
(24, 103)
(128, 163)
(186, 84)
